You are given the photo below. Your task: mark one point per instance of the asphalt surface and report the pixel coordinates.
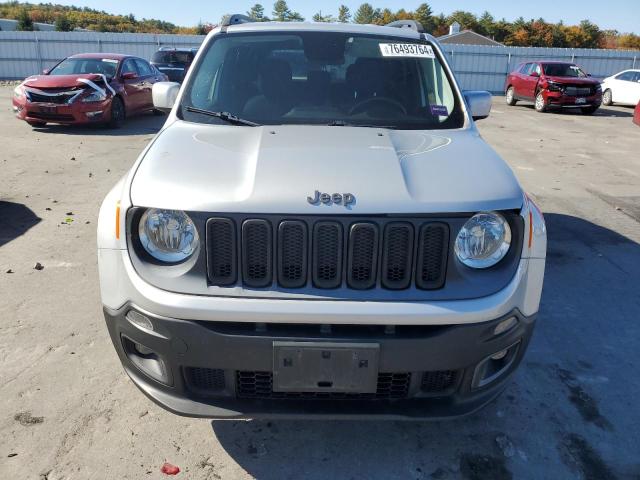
(68, 411)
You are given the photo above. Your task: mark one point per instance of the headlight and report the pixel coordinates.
(18, 92)
(95, 97)
(483, 241)
(168, 235)
(553, 86)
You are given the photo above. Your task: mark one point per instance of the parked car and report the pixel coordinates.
(636, 114)
(553, 85)
(174, 62)
(622, 88)
(320, 231)
(88, 88)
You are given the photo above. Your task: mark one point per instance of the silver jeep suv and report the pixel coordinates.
(319, 229)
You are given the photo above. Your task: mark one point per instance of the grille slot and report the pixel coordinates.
(205, 379)
(292, 253)
(397, 255)
(221, 251)
(327, 254)
(363, 256)
(257, 256)
(432, 256)
(438, 381)
(254, 384)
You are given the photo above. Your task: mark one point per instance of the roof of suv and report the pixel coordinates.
(327, 27)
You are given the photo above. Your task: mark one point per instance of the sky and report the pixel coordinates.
(621, 15)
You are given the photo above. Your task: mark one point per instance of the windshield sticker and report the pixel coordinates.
(110, 60)
(406, 50)
(439, 110)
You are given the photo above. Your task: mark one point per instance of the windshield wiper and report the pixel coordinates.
(342, 123)
(225, 116)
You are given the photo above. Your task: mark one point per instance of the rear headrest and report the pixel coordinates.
(275, 78)
(366, 77)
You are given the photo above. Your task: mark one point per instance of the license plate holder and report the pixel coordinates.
(325, 367)
(581, 100)
(48, 109)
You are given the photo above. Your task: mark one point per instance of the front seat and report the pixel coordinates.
(274, 79)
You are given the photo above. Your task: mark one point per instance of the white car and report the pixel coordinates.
(622, 88)
(319, 229)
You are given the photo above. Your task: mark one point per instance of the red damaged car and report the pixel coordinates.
(553, 85)
(88, 88)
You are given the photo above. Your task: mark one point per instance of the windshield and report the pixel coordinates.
(71, 66)
(323, 78)
(563, 70)
(172, 57)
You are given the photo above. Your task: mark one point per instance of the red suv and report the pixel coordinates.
(553, 84)
(88, 88)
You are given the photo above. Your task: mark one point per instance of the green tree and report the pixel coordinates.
(63, 24)
(424, 15)
(318, 17)
(257, 13)
(592, 33)
(25, 23)
(467, 20)
(344, 15)
(282, 13)
(486, 23)
(366, 14)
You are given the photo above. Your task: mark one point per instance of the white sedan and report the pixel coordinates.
(622, 88)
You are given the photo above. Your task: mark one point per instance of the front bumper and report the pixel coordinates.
(436, 362)
(559, 99)
(68, 114)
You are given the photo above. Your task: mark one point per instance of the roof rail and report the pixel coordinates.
(235, 19)
(412, 24)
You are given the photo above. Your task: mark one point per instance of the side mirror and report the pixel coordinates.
(45, 71)
(478, 103)
(165, 95)
(129, 75)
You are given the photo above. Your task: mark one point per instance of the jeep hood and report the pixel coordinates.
(273, 169)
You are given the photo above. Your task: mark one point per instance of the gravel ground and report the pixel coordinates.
(68, 411)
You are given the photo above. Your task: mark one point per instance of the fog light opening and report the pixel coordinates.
(142, 350)
(505, 325)
(494, 366)
(139, 320)
(146, 360)
(499, 355)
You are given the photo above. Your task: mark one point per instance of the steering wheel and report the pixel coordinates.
(365, 105)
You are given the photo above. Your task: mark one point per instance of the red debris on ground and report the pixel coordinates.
(169, 469)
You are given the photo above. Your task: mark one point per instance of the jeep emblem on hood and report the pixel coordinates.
(346, 199)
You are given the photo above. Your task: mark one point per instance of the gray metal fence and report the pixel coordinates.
(28, 53)
(477, 67)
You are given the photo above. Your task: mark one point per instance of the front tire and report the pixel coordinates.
(541, 104)
(589, 110)
(510, 97)
(118, 113)
(607, 97)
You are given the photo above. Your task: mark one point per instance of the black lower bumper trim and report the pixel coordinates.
(205, 364)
